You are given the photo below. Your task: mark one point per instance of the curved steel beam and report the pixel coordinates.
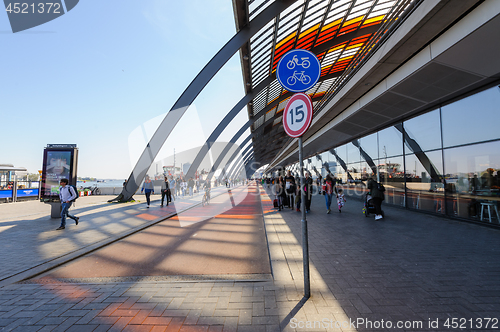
(365, 156)
(231, 170)
(342, 163)
(225, 152)
(422, 157)
(241, 163)
(223, 124)
(230, 159)
(192, 91)
(247, 168)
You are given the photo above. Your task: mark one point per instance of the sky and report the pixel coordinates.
(98, 75)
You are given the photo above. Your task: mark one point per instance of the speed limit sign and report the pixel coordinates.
(297, 115)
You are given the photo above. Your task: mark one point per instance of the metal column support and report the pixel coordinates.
(224, 153)
(231, 169)
(232, 172)
(224, 123)
(234, 155)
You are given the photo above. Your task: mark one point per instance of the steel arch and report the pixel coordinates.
(197, 85)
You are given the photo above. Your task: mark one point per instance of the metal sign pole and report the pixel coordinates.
(305, 241)
(297, 117)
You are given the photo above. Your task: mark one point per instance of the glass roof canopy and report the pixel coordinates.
(340, 32)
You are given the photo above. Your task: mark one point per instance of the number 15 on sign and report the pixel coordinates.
(297, 115)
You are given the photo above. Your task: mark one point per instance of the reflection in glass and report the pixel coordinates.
(424, 131)
(326, 166)
(355, 170)
(338, 171)
(341, 152)
(369, 145)
(367, 170)
(390, 142)
(465, 184)
(473, 181)
(392, 176)
(353, 155)
(473, 119)
(425, 188)
(365, 157)
(343, 173)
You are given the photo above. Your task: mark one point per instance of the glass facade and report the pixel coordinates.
(446, 161)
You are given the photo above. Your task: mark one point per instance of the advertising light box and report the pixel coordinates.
(59, 161)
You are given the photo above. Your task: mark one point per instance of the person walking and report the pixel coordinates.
(165, 189)
(298, 194)
(148, 189)
(278, 189)
(308, 185)
(172, 189)
(184, 186)
(377, 197)
(329, 188)
(66, 194)
(340, 200)
(191, 186)
(178, 187)
(290, 189)
(282, 193)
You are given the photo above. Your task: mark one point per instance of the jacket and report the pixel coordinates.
(374, 192)
(165, 185)
(148, 187)
(308, 185)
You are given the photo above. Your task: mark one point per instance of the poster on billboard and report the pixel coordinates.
(57, 164)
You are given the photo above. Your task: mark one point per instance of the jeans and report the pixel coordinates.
(65, 212)
(328, 199)
(148, 197)
(308, 202)
(167, 194)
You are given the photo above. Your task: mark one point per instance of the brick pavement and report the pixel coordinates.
(28, 235)
(406, 267)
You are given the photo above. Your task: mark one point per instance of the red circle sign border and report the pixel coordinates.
(307, 100)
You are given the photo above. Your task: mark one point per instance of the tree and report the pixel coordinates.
(33, 177)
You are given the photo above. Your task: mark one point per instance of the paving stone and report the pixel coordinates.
(30, 328)
(120, 324)
(175, 325)
(160, 320)
(82, 328)
(393, 269)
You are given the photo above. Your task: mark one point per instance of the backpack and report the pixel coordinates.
(380, 187)
(76, 191)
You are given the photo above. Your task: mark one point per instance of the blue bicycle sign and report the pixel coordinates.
(298, 77)
(298, 70)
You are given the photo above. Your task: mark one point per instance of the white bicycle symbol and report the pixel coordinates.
(304, 64)
(298, 76)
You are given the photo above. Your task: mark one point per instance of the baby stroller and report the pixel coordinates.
(369, 207)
